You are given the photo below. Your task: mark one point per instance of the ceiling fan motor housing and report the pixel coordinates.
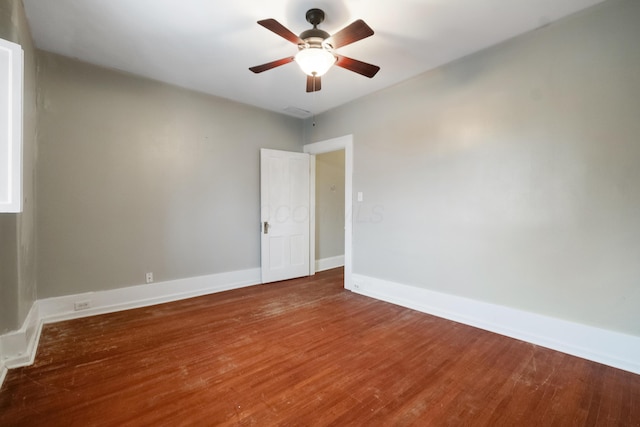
(314, 33)
(315, 43)
(315, 36)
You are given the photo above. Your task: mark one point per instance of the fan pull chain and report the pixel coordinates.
(313, 101)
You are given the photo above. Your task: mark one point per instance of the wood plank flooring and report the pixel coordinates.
(304, 352)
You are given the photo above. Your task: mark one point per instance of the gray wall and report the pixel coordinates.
(511, 176)
(330, 204)
(139, 176)
(17, 231)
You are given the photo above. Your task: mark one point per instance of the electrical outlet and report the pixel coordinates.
(149, 277)
(82, 305)
(356, 285)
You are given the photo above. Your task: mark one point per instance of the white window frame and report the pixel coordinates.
(11, 93)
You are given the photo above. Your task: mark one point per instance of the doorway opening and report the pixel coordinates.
(344, 143)
(329, 210)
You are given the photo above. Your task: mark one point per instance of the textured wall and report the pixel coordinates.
(512, 175)
(139, 176)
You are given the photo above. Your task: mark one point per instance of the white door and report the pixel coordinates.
(284, 199)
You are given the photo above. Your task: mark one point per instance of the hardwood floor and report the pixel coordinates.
(304, 352)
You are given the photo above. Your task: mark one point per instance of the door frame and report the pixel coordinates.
(340, 143)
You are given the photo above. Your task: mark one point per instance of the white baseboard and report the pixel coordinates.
(3, 368)
(599, 345)
(62, 308)
(18, 348)
(611, 348)
(3, 373)
(329, 263)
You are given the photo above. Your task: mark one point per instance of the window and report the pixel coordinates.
(11, 67)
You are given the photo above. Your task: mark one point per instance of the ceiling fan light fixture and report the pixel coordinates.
(317, 48)
(315, 61)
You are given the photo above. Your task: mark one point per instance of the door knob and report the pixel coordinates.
(266, 227)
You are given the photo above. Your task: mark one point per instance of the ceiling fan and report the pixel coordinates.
(316, 49)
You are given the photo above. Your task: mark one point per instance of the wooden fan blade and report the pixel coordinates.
(357, 30)
(313, 83)
(270, 65)
(367, 70)
(281, 30)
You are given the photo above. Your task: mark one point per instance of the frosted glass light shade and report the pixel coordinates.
(315, 61)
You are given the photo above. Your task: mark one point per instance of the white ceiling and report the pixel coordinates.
(208, 45)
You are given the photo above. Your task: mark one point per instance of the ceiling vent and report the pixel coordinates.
(297, 112)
